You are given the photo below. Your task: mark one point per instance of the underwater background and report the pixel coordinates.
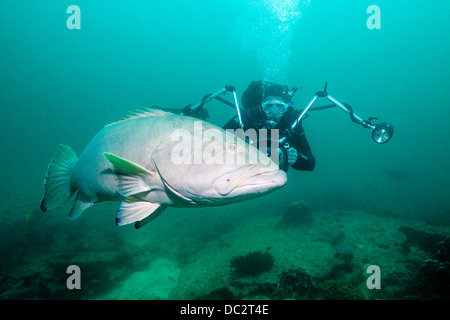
(364, 204)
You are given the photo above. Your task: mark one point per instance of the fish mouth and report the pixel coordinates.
(250, 179)
(268, 179)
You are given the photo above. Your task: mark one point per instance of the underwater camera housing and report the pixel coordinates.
(381, 132)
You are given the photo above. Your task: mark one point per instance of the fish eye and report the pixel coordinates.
(231, 147)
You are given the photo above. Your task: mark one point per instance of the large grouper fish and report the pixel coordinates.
(155, 159)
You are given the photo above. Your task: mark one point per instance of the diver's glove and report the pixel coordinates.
(292, 155)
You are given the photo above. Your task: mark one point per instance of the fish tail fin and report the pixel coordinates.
(57, 186)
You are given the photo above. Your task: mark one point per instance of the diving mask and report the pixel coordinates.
(274, 106)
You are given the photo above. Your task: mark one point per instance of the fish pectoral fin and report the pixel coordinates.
(136, 211)
(176, 193)
(132, 178)
(168, 187)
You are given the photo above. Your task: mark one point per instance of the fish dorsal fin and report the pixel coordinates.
(148, 112)
(132, 178)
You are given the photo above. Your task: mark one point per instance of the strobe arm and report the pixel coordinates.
(381, 133)
(355, 118)
(198, 111)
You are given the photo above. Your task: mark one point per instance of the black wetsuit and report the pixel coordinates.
(305, 160)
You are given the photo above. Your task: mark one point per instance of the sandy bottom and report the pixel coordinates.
(188, 256)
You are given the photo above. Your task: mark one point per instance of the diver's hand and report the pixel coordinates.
(292, 156)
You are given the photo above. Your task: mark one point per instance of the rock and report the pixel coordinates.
(296, 213)
(252, 264)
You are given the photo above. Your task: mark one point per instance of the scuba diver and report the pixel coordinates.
(267, 110)
(268, 106)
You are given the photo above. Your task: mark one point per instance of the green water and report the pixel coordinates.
(59, 85)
